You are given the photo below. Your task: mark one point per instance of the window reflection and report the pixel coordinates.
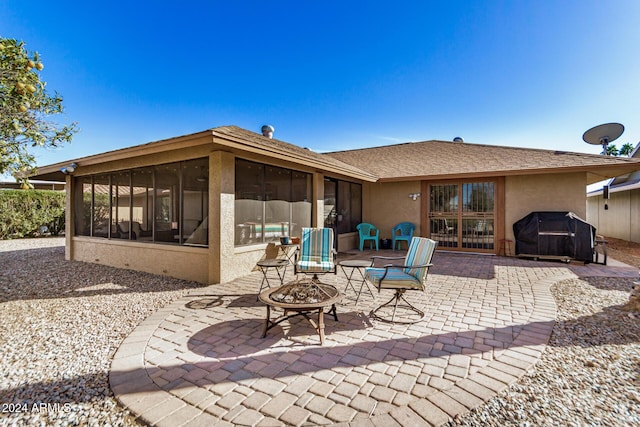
(270, 202)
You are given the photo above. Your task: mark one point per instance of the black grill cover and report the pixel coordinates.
(554, 234)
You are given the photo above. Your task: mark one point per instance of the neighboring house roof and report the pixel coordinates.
(449, 160)
(629, 178)
(228, 138)
(627, 185)
(38, 185)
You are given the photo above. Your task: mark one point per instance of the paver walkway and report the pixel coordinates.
(201, 360)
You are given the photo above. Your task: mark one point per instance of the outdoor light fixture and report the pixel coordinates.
(414, 196)
(69, 169)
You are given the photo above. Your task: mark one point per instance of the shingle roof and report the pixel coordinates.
(401, 162)
(224, 137)
(444, 159)
(287, 151)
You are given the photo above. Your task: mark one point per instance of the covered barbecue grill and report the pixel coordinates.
(554, 235)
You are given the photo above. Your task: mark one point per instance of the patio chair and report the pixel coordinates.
(411, 275)
(402, 231)
(368, 232)
(316, 253)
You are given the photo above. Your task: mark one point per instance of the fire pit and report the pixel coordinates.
(301, 297)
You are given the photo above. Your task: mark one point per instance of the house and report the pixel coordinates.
(615, 211)
(207, 206)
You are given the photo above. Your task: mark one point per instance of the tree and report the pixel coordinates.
(25, 107)
(626, 149)
(611, 150)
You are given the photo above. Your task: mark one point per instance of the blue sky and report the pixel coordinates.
(337, 75)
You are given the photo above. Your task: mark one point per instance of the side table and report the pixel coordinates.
(275, 263)
(286, 250)
(359, 266)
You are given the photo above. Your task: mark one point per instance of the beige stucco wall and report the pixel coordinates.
(553, 192)
(622, 218)
(387, 204)
(348, 241)
(221, 212)
(184, 262)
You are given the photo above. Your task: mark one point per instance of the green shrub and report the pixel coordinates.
(23, 213)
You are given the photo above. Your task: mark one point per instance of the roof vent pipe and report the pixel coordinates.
(267, 130)
(458, 139)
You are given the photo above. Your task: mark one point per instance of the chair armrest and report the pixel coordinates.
(415, 266)
(406, 266)
(402, 267)
(384, 258)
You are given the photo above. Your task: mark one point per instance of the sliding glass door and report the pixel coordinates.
(461, 215)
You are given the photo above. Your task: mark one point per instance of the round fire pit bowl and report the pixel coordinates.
(302, 297)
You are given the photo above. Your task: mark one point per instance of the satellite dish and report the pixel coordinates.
(603, 134)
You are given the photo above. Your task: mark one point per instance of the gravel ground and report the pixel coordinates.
(62, 321)
(589, 374)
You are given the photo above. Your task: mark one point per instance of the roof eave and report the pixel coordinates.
(594, 173)
(53, 172)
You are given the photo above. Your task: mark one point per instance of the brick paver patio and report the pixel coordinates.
(202, 361)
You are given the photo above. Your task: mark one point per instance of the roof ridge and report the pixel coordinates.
(473, 144)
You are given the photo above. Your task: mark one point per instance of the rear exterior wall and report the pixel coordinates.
(553, 192)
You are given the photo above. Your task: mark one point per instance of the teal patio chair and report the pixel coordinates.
(408, 276)
(403, 231)
(368, 232)
(316, 253)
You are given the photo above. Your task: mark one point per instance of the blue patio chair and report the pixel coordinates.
(316, 252)
(403, 231)
(368, 232)
(411, 275)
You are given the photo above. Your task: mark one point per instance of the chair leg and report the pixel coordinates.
(398, 300)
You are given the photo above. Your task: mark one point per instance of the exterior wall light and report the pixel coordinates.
(414, 196)
(69, 169)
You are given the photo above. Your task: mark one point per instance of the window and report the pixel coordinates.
(83, 206)
(101, 212)
(142, 194)
(166, 204)
(270, 202)
(195, 202)
(121, 205)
